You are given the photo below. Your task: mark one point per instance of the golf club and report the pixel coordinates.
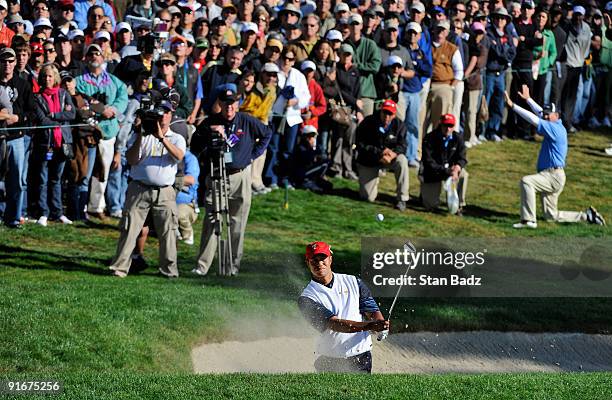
(408, 246)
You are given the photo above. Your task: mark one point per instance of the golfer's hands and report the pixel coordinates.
(388, 156)
(524, 92)
(378, 326)
(508, 101)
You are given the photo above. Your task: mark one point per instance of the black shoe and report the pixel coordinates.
(138, 264)
(400, 205)
(459, 212)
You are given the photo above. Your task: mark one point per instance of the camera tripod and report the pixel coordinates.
(221, 216)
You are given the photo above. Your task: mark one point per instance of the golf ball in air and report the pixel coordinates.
(380, 217)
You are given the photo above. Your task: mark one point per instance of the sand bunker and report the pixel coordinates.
(423, 352)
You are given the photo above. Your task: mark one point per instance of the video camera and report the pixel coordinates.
(150, 113)
(216, 143)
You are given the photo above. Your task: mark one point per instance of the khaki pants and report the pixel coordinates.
(549, 183)
(162, 204)
(256, 170)
(457, 102)
(424, 94)
(239, 207)
(97, 202)
(471, 110)
(439, 102)
(186, 217)
(430, 192)
(368, 179)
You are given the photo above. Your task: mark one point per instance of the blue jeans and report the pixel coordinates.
(280, 151)
(548, 88)
(117, 186)
(14, 183)
(494, 93)
(50, 189)
(413, 102)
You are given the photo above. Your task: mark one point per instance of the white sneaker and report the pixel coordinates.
(609, 151)
(606, 122)
(65, 220)
(468, 145)
(482, 138)
(42, 221)
(189, 240)
(197, 271)
(496, 138)
(527, 224)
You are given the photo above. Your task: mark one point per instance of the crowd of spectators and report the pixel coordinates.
(74, 73)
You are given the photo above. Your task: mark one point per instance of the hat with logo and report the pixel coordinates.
(229, 95)
(309, 130)
(316, 248)
(389, 106)
(271, 68)
(333, 34)
(448, 119)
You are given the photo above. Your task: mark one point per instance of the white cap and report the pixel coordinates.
(392, 60)
(341, 7)
(579, 10)
(271, 67)
(249, 26)
(308, 65)
(309, 130)
(123, 25)
(4, 4)
(413, 26)
(194, 6)
(75, 33)
(29, 29)
(102, 35)
(333, 35)
(417, 5)
(189, 37)
(43, 22)
(355, 18)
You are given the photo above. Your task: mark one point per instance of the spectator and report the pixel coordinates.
(381, 144)
(6, 34)
(310, 164)
(52, 146)
(545, 56)
(228, 72)
(64, 61)
(479, 51)
(187, 199)
(187, 78)
(81, 11)
(166, 77)
(317, 105)
(443, 157)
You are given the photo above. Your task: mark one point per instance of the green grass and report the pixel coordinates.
(62, 314)
(563, 386)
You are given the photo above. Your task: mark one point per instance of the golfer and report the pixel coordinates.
(341, 307)
(550, 179)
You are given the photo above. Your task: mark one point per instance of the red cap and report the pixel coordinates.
(389, 105)
(64, 3)
(315, 248)
(37, 47)
(448, 119)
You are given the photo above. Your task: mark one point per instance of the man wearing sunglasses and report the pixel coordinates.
(381, 144)
(81, 8)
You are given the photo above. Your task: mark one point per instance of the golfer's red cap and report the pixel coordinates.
(448, 119)
(315, 248)
(389, 105)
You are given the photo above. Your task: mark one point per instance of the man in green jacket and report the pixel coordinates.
(368, 60)
(111, 94)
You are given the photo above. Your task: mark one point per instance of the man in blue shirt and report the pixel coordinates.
(187, 198)
(550, 179)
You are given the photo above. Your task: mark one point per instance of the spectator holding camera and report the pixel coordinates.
(153, 154)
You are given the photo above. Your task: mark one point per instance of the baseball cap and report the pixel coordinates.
(230, 6)
(308, 65)
(391, 24)
(378, 9)
(165, 104)
(355, 18)
(178, 39)
(389, 105)
(437, 10)
(290, 8)
(228, 96)
(442, 24)
(527, 4)
(93, 47)
(502, 12)
(174, 10)
(392, 60)
(249, 26)
(42, 23)
(65, 3)
(309, 130)
(418, 6)
(271, 68)
(333, 34)
(3, 4)
(579, 10)
(75, 33)
(123, 26)
(167, 57)
(7, 53)
(37, 48)
(413, 26)
(341, 7)
(315, 248)
(478, 27)
(347, 48)
(274, 43)
(102, 35)
(549, 108)
(448, 119)
(202, 43)
(65, 75)
(15, 19)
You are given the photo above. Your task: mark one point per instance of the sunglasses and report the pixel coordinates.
(261, 19)
(167, 63)
(68, 9)
(79, 40)
(42, 8)
(50, 50)
(8, 61)
(289, 58)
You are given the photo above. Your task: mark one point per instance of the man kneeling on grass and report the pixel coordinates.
(341, 307)
(550, 179)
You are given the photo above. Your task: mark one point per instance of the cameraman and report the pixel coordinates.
(154, 156)
(245, 138)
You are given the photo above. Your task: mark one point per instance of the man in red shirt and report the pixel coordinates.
(6, 35)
